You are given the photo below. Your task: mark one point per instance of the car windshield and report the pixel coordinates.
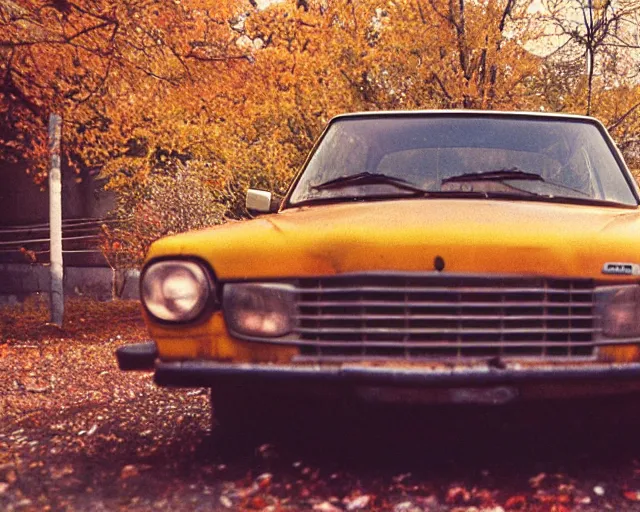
(489, 156)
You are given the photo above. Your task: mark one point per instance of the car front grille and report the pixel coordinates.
(434, 316)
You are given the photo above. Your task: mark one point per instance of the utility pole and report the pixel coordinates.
(55, 221)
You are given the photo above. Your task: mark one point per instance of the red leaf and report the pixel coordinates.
(457, 495)
(516, 503)
(257, 503)
(632, 495)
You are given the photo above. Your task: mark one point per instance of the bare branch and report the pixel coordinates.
(623, 117)
(223, 58)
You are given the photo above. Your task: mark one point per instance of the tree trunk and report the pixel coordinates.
(590, 65)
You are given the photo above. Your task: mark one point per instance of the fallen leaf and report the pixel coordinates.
(632, 495)
(516, 503)
(406, 506)
(58, 473)
(129, 471)
(267, 451)
(264, 480)
(226, 502)
(257, 503)
(401, 478)
(537, 480)
(358, 503)
(566, 488)
(457, 495)
(7, 467)
(431, 501)
(482, 497)
(325, 506)
(305, 493)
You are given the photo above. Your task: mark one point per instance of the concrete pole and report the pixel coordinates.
(55, 221)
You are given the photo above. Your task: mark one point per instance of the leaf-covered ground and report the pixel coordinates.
(77, 434)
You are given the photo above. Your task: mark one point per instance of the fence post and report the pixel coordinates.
(55, 221)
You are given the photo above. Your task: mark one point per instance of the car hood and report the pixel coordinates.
(471, 236)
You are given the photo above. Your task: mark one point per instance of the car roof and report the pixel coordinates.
(463, 112)
(501, 135)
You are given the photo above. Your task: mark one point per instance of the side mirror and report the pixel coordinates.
(261, 201)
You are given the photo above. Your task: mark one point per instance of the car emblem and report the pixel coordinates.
(626, 269)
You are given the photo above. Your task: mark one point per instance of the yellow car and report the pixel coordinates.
(427, 257)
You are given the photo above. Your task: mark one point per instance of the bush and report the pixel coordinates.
(172, 200)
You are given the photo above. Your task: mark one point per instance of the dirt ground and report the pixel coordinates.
(78, 434)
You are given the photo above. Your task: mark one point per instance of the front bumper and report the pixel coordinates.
(431, 383)
(474, 385)
(137, 356)
(206, 373)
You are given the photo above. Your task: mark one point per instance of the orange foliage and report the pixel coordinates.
(238, 93)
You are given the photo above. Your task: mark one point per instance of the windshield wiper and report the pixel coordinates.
(498, 175)
(368, 178)
(513, 173)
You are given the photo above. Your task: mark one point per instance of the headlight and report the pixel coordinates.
(175, 291)
(259, 309)
(619, 311)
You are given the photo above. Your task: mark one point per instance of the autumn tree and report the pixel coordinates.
(593, 65)
(481, 52)
(312, 62)
(114, 70)
(95, 62)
